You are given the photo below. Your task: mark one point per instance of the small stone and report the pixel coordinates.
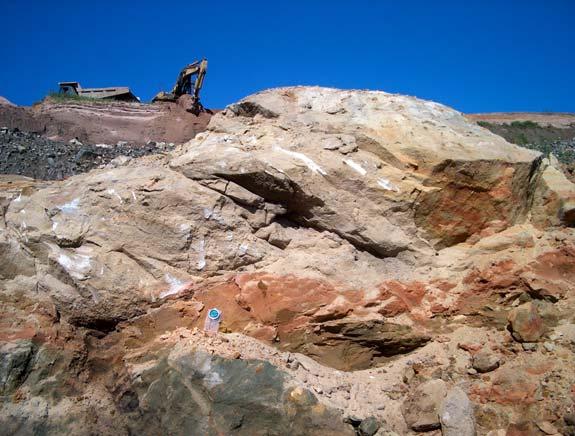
(546, 427)
(472, 371)
(529, 346)
(484, 361)
(408, 374)
(368, 426)
(457, 416)
(346, 149)
(569, 419)
(421, 407)
(353, 420)
(470, 346)
(549, 346)
(525, 323)
(236, 355)
(331, 143)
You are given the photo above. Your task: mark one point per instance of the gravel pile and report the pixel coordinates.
(564, 150)
(32, 155)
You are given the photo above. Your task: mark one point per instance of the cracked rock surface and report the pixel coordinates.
(378, 260)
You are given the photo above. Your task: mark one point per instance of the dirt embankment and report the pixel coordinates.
(105, 122)
(56, 139)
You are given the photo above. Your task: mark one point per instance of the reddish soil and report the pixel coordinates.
(105, 122)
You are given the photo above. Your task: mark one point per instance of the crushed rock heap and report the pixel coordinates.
(383, 266)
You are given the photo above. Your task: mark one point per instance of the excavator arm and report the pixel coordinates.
(190, 81)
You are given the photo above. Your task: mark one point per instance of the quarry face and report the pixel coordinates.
(382, 264)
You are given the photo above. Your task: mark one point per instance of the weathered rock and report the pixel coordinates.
(422, 406)
(278, 158)
(223, 396)
(351, 345)
(93, 234)
(554, 199)
(485, 361)
(547, 428)
(368, 427)
(457, 416)
(15, 363)
(526, 323)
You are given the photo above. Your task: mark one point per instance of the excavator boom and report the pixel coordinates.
(190, 81)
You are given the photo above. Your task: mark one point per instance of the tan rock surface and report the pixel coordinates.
(359, 244)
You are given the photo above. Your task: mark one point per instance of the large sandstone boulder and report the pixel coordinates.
(111, 242)
(388, 173)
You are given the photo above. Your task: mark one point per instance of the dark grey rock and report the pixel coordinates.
(15, 363)
(368, 427)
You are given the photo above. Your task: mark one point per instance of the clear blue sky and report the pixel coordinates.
(473, 55)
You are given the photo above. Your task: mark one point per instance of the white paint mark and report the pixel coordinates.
(77, 265)
(175, 286)
(386, 184)
(306, 160)
(134, 196)
(114, 193)
(230, 236)
(71, 206)
(243, 249)
(354, 165)
(54, 226)
(212, 379)
(214, 215)
(19, 198)
(201, 255)
(184, 227)
(95, 296)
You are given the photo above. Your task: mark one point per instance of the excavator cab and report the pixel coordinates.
(189, 82)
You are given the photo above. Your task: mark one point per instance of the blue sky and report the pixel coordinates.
(476, 56)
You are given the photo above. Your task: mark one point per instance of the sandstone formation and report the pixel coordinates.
(370, 252)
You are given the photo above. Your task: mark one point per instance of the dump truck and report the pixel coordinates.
(189, 82)
(120, 93)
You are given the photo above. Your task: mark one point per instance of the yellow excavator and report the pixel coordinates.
(190, 81)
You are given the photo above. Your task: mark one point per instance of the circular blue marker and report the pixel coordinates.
(214, 314)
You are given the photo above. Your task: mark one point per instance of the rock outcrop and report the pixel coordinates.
(371, 253)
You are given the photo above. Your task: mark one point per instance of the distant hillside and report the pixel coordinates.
(545, 132)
